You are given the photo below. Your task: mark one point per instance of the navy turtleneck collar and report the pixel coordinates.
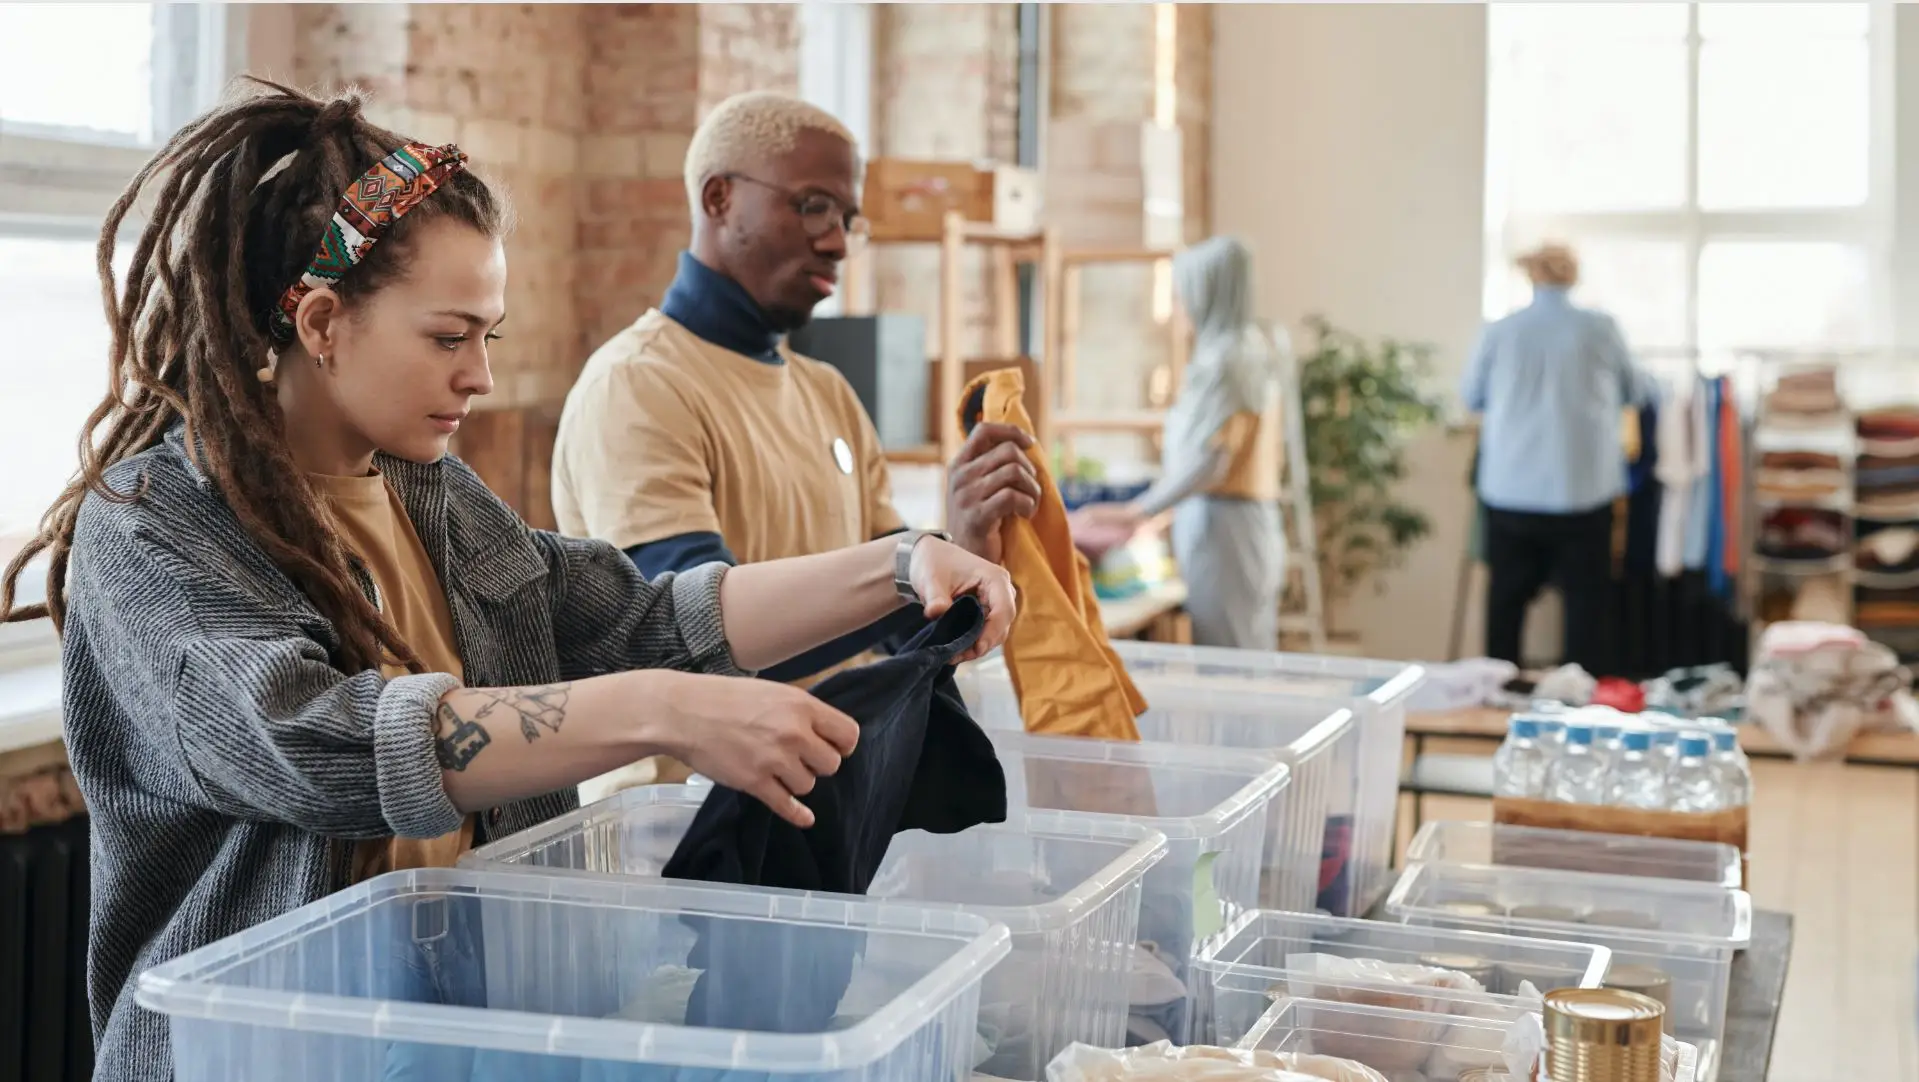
(719, 310)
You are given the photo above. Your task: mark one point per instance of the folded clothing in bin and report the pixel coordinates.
(922, 764)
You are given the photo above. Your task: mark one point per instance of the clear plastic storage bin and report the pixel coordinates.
(1396, 1043)
(1070, 901)
(1576, 851)
(1213, 805)
(1268, 955)
(1670, 939)
(464, 976)
(1346, 781)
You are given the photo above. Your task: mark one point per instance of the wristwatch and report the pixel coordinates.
(903, 562)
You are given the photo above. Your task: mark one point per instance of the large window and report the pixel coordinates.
(1719, 166)
(74, 127)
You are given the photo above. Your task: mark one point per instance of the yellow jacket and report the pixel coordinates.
(1067, 678)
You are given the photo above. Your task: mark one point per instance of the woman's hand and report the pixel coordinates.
(943, 573)
(768, 739)
(1099, 528)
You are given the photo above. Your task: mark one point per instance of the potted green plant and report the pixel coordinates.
(1363, 400)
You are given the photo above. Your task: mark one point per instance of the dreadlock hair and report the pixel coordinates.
(239, 199)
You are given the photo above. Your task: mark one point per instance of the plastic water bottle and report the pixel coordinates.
(1552, 734)
(1577, 776)
(1638, 778)
(1665, 746)
(1519, 766)
(1735, 771)
(1693, 784)
(1608, 743)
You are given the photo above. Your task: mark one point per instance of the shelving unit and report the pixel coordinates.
(1770, 432)
(1067, 421)
(1009, 249)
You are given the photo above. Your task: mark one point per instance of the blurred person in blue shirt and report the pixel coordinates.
(1550, 382)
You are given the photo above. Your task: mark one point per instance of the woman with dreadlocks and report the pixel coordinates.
(294, 628)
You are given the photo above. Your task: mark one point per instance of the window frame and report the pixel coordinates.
(59, 182)
(1867, 226)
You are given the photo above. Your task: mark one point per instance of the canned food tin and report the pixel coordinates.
(1602, 1035)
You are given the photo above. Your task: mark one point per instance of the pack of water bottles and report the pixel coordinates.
(1646, 762)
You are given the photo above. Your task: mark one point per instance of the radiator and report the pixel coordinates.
(45, 1034)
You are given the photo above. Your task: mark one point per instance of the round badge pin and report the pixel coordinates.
(843, 455)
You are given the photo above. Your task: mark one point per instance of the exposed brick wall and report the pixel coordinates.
(1194, 79)
(582, 113)
(747, 47)
(948, 88)
(1105, 64)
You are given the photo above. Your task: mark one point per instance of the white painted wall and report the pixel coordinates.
(1349, 151)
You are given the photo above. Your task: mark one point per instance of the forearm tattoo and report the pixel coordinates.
(461, 738)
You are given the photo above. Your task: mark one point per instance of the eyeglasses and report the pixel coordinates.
(818, 212)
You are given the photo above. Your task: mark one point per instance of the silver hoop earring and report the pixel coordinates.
(319, 360)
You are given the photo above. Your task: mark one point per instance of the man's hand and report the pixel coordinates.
(990, 479)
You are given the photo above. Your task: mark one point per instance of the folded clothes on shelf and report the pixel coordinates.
(1888, 550)
(1806, 393)
(1880, 472)
(1801, 533)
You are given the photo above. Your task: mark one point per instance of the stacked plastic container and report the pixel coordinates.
(1672, 939)
(1398, 1043)
(1476, 842)
(1268, 954)
(466, 976)
(1070, 900)
(1331, 847)
(1214, 807)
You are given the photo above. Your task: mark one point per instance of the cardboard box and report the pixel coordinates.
(907, 200)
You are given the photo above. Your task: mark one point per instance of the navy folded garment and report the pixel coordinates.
(922, 763)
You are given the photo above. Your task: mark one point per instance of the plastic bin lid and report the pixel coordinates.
(190, 986)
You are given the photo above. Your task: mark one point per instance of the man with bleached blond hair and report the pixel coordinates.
(697, 435)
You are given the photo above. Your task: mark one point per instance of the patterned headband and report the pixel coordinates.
(369, 208)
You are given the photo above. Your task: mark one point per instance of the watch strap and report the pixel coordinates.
(903, 562)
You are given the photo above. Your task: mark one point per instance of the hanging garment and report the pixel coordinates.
(1677, 472)
(1705, 441)
(1646, 496)
(1068, 679)
(1732, 466)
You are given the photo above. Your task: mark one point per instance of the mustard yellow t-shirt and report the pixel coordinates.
(373, 525)
(667, 434)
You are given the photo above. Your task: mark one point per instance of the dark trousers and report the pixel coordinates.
(1527, 551)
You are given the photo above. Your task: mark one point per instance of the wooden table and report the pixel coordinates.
(1156, 614)
(1489, 723)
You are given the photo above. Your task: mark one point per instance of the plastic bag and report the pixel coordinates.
(1375, 983)
(1163, 1062)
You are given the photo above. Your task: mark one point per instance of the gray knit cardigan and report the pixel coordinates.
(228, 767)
